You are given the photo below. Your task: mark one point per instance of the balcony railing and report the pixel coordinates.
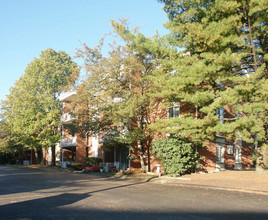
(67, 118)
(68, 142)
(67, 96)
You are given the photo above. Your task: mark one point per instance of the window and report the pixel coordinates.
(220, 150)
(230, 149)
(174, 111)
(220, 154)
(237, 154)
(220, 112)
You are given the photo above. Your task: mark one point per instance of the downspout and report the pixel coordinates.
(61, 156)
(87, 144)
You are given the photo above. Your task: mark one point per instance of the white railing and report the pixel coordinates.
(67, 118)
(66, 142)
(116, 100)
(66, 96)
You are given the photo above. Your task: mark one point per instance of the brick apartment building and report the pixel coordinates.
(219, 154)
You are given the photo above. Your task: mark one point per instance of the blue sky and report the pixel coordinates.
(29, 26)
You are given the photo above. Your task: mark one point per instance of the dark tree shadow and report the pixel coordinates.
(37, 207)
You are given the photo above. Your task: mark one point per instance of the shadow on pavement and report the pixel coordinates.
(93, 205)
(59, 207)
(21, 180)
(39, 206)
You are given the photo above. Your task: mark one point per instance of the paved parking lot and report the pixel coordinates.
(50, 194)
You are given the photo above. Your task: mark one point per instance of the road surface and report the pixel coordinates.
(27, 194)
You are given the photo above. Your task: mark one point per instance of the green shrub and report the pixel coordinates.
(254, 157)
(179, 156)
(76, 166)
(90, 161)
(6, 158)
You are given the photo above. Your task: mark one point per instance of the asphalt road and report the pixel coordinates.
(48, 194)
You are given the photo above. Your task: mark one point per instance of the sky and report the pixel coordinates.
(28, 27)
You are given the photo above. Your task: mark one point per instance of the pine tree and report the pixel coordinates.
(223, 64)
(118, 85)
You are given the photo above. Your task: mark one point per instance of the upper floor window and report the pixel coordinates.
(220, 113)
(174, 111)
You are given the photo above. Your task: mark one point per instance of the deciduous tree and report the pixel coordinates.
(32, 109)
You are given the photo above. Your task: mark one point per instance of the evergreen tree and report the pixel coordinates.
(117, 87)
(223, 64)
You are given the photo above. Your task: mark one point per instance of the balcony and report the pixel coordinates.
(67, 118)
(67, 96)
(117, 100)
(68, 142)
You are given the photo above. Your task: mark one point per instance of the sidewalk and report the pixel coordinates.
(246, 181)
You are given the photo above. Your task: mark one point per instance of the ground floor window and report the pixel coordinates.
(220, 151)
(238, 154)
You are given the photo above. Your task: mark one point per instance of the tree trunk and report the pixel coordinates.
(37, 156)
(252, 43)
(141, 154)
(44, 155)
(148, 155)
(53, 155)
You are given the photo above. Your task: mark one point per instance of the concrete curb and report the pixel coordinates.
(158, 181)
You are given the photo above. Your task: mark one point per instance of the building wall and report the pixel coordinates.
(207, 153)
(229, 159)
(208, 157)
(246, 159)
(80, 149)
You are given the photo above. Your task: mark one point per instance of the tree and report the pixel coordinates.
(3, 136)
(117, 88)
(223, 64)
(32, 108)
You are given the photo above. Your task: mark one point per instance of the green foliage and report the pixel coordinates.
(255, 157)
(7, 158)
(90, 161)
(4, 136)
(117, 87)
(178, 155)
(32, 110)
(222, 64)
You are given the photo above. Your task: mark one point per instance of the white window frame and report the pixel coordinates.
(220, 113)
(174, 106)
(238, 154)
(220, 149)
(230, 149)
(95, 146)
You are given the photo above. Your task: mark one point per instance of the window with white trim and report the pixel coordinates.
(220, 113)
(174, 111)
(220, 151)
(237, 154)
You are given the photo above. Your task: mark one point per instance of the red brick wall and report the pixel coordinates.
(246, 155)
(208, 157)
(80, 149)
(229, 159)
